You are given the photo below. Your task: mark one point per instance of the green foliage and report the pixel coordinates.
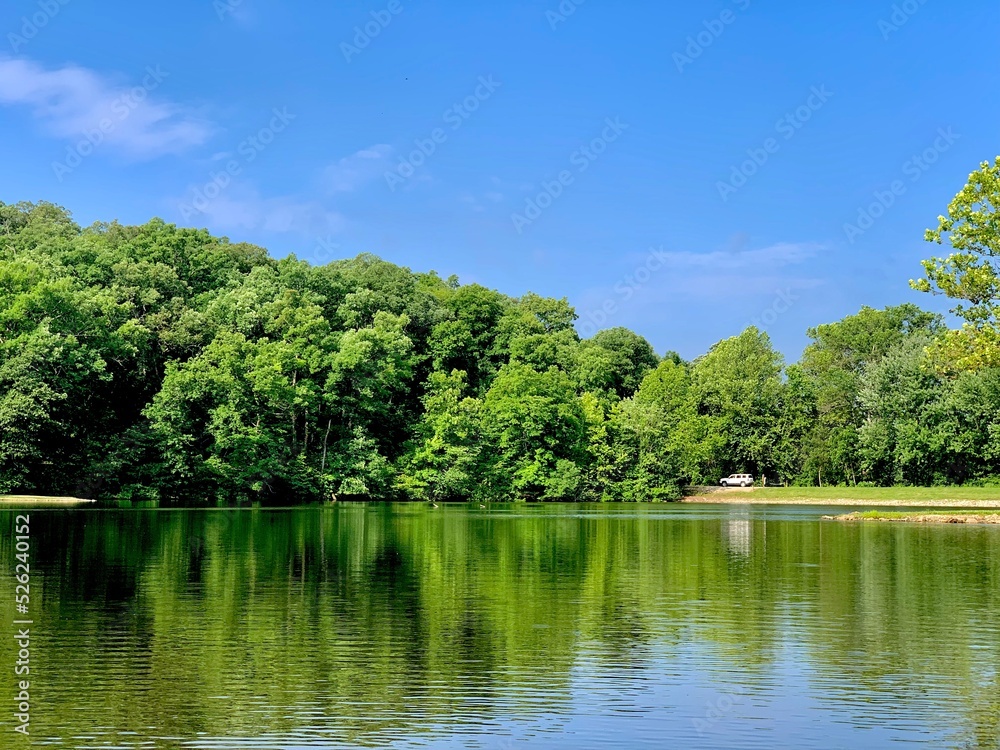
(445, 460)
(631, 358)
(655, 438)
(466, 338)
(737, 392)
(160, 363)
(971, 273)
(926, 430)
(833, 364)
(536, 428)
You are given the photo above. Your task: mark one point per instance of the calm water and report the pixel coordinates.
(506, 627)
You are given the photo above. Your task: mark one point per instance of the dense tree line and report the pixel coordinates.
(156, 362)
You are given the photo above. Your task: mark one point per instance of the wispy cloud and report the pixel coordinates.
(734, 273)
(70, 101)
(240, 206)
(663, 279)
(244, 208)
(354, 171)
(479, 203)
(761, 260)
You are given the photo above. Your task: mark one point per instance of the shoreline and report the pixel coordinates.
(45, 501)
(891, 497)
(845, 502)
(706, 496)
(964, 518)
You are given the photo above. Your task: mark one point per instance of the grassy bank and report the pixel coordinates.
(920, 517)
(974, 497)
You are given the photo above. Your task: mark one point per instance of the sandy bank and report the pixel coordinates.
(35, 501)
(870, 497)
(975, 518)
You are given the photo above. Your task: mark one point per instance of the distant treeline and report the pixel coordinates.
(160, 363)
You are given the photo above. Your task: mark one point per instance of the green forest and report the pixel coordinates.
(158, 363)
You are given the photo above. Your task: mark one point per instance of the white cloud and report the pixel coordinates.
(659, 279)
(72, 101)
(352, 172)
(476, 203)
(472, 202)
(243, 208)
(731, 275)
(767, 258)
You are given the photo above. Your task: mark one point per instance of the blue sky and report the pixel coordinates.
(683, 169)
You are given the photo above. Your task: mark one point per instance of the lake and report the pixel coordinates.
(513, 626)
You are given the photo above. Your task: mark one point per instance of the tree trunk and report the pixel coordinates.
(322, 463)
(294, 378)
